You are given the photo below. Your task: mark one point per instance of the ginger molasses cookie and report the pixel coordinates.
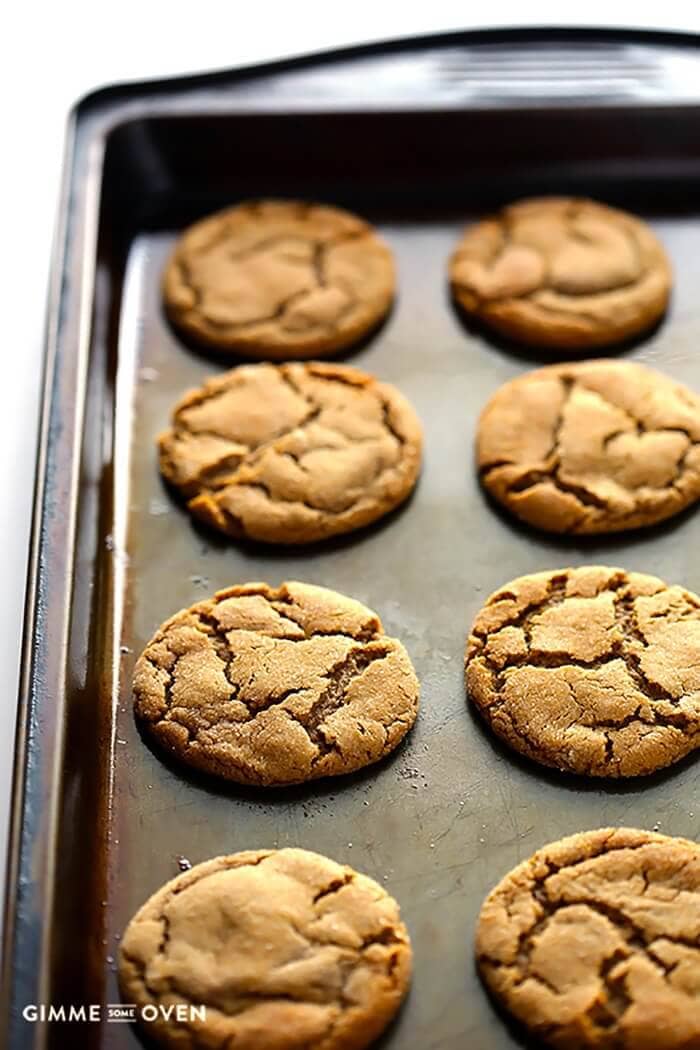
(598, 446)
(562, 272)
(594, 942)
(285, 949)
(266, 686)
(279, 279)
(591, 670)
(292, 453)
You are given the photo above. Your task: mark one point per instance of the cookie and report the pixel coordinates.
(266, 686)
(292, 453)
(284, 948)
(598, 446)
(562, 272)
(594, 942)
(591, 670)
(279, 279)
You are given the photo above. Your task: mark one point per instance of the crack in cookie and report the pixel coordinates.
(564, 273)
(594, 942)
(593, 671)
(600, 446)
(284, 948)
(292, 453)
(279, 279)
(270, 686)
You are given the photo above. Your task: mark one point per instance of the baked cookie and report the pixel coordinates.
(591, 670)
(562, 272)
(279, 279)
(598, 446)
(285, 948)
(267, 686)
(594, 942)
(292, 453)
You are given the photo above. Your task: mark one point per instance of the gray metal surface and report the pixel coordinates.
(446, 816)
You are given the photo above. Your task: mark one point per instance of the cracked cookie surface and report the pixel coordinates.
(598, 446)
(279, 279)
(562, 272)
(592, 670)
(285, 948)
(594, 942)
(270, 686)
(292, 453)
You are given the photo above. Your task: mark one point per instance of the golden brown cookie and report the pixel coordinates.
(591, 670)
(266, 686)
(598, 446)
(594, 942)
(292, 453)
(562, 272)
(279, 279)
(285, 948)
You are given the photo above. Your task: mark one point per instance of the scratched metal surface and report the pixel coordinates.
(440, 821)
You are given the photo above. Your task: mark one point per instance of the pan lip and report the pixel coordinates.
(98, 97)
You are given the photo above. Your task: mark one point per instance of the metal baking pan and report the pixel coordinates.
(419, 137)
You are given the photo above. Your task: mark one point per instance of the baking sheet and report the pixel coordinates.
(100, 820)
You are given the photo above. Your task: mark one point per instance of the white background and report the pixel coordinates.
(54, 52)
